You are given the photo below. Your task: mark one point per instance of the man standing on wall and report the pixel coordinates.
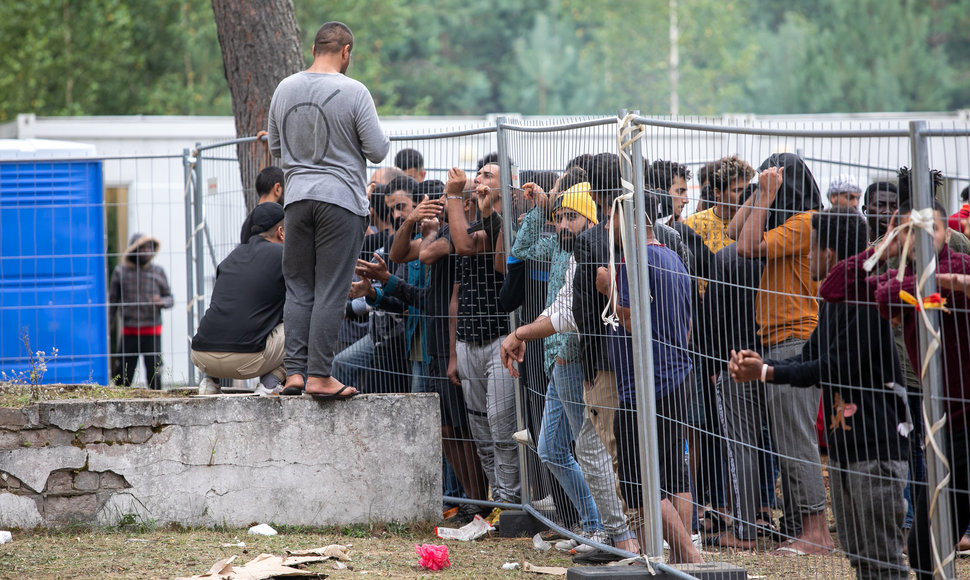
(324, 127)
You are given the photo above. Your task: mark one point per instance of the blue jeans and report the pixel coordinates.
(350, 363)
(562, 418)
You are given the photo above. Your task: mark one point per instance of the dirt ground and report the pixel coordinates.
(376, 551)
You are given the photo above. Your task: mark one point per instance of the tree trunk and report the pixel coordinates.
(260, 43)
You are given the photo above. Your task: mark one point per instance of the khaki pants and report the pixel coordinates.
(602, 401)
(245, 365)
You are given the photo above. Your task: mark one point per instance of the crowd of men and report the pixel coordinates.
(760, 304)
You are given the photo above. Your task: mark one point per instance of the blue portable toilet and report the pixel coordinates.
(52, 261)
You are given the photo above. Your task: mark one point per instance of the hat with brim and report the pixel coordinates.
(265, 216)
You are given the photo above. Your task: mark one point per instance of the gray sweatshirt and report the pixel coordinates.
(322, 127)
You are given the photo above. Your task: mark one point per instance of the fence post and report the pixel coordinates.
(197, 234)
(505, 170)
(188, 162)
(937, 469)
(639, 279)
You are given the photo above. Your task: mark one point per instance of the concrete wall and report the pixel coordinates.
(225, 460)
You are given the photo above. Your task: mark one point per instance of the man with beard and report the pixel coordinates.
(564, 412)
(323, 126)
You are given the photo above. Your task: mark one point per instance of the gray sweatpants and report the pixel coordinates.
(867, 498)
(792, 412)
(741, 410)
(490, 400)
(320, 252)
(597, 467)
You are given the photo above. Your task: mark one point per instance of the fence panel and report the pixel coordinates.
(739, 460)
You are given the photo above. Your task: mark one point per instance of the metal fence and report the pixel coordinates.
(551, 455)
(581, 438)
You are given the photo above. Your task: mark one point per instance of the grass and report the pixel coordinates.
(384, 550)
(172, 552)
(16, 395)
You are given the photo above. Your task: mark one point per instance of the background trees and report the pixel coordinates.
(453, 57)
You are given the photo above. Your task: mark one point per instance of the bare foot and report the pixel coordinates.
(293, 381)
(729, 540)
(630, 545)
(327, 386)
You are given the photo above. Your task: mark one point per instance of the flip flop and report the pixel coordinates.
(292, 392)
(789, 549)
(334, 396)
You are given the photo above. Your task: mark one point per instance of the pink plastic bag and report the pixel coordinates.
(432, 557)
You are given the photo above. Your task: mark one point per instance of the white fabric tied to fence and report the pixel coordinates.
(922, 219)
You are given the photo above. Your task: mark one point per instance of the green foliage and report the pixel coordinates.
(455, 57)
(817, 66)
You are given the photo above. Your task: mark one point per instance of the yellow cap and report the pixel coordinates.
(578, 199)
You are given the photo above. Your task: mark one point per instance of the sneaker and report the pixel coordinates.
(523, 437)
(546, 504)
(208, 387)
(577, 547)
(264, 392)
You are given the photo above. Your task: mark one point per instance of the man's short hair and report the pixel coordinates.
(431, 187)
(660, 174)
(572, 176)
(404, 183)
(705, 171)
(409, 159)
(604, 176)
(378, 203)
(491, 158)
(653, 199)
(727, 170)
(544, 179)
(887, 186)
(905, 185)
(267, 179)
(965, 194)
(844, 232)
(332, 37)
(584, 161)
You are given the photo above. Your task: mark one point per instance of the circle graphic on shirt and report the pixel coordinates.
(303, 117)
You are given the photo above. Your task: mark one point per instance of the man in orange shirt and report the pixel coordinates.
(775, 225)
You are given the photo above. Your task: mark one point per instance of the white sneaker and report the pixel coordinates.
(578, 547)
(598, 537)
(546, 504)
(208, 387)
(264, 392)
(523, 437)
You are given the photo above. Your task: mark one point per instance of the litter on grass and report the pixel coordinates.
(262, 530)
(335, 551)
(511, 566)
(477, 528)
(550, 570)
(432, 557)
(5, 537)
(262, 567)
(539, 544)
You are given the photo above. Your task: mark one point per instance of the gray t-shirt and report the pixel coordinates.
(322, 127)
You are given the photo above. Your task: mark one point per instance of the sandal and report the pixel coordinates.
(765, 524)
(713, 523)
